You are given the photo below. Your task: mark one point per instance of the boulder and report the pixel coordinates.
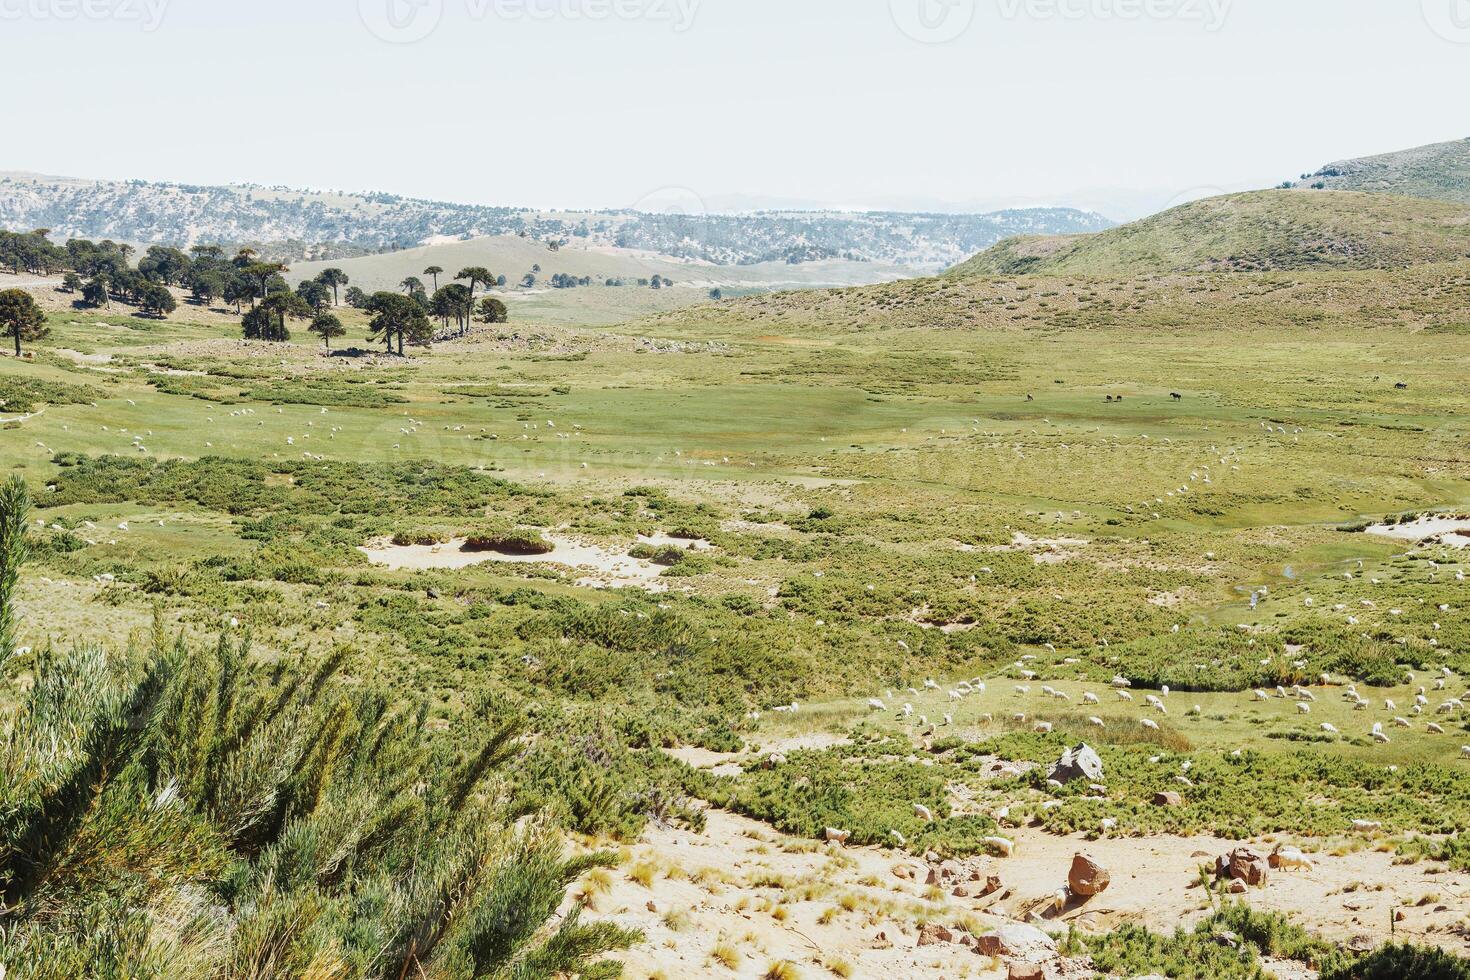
(1018, 940)
(1025, 971)
(1245, 865)
(1169, 798)
(1081, 762)
(1087, 878)
(933, 934)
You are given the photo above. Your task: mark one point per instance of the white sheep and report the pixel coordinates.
(1367, 826)
(1090, 698)
(1303, 708)
(1002, 846)
(1150, 724)
(1292, 859)
(923, 813)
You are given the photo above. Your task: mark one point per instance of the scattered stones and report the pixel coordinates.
(1087, 878)
(933, 934)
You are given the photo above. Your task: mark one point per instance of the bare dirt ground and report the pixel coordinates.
(608, 567)
(740, 886)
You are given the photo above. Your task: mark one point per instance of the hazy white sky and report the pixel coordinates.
(863, 103)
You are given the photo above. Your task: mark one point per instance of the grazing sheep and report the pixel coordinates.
(1465, 752)
(1090, 698)
(1367, 826)
(1124, 696)
(1043, 727)
(1329, 728)
(874, 703)
(1150, 724)
(923, 813)
(1291, 859)
(835, 836)
(1096, 722)
(1303, 708)
(1262, 696)
(898, 838)
(1002, 846)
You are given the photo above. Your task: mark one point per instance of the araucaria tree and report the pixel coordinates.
(397, 316)
(327, 326)
(433, 273)
(332, 278)
(475, 274)
(20, 317)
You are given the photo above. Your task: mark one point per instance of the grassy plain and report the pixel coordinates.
(954, 478)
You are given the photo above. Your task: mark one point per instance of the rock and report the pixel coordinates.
(1025, 971)
(903, 871)
(1087, 878)
(1238, 888)
(1081, 762)
(979, 889)
(1018, 940)
(1243, 864)
(1168, 799)
(934, 934)
(933, 878)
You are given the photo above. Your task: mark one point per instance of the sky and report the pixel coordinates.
(1122, 106)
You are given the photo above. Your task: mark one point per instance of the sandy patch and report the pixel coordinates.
(80, 358)
(1451, 531)
(610, 569)
(1045, 551)
(727, 881)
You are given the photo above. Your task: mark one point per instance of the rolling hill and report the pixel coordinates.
(1440, 171)
(296, 224)
(1252, 232)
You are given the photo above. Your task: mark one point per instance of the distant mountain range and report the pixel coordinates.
(295, 224)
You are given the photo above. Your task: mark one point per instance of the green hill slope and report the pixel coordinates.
(1253, 232)
(1440, 172)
